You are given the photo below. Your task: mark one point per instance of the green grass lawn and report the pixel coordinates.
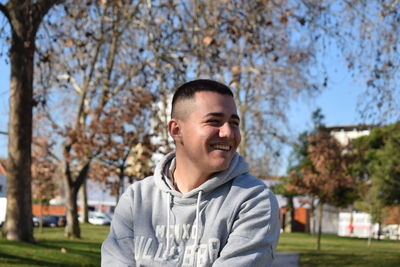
(341, 251)
(53, 249)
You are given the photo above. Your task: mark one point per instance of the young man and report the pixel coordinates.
(201, 207)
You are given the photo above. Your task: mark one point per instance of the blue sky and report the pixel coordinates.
(338, 102)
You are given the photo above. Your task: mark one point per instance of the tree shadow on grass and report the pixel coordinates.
(13, 259)
(329, 258)
(50, 253)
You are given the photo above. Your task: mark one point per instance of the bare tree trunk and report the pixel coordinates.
(379, 231)
(369, 238)
(312, 217)
(370, 230)
(41, 216)
(289, 224)
(72, 229)
(242, 109)
(18, 224)
(72, 186)
(84, 210)
(292, 213)
(320, 211)
(288, 221)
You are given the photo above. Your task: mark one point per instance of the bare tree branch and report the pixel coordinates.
(4, 10)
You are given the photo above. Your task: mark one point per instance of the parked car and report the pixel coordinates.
(50, 220)
(36, 221)
(99, 218)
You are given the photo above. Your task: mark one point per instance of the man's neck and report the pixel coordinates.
(186, 177)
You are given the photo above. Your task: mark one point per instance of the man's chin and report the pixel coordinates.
(221, 167)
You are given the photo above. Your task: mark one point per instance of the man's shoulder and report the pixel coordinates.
(249, 181)
(252, 187)
(143, 184)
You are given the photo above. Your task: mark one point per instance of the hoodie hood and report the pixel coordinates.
(236, 168)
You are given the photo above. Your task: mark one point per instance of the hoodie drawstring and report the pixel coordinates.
(168, 223)
(198, 218)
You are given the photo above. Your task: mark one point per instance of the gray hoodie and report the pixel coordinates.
(230, 220)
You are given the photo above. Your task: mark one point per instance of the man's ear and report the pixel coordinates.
(175, 130)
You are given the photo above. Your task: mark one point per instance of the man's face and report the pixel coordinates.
(210, 132)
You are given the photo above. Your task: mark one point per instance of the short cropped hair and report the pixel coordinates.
(187, 91)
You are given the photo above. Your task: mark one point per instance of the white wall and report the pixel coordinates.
(361, 224)
(345, 136)
(3, 208)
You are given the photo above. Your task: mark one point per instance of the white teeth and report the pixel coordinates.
(222, 147)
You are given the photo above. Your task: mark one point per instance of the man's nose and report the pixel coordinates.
(226, 130)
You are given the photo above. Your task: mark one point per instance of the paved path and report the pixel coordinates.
(286, 259)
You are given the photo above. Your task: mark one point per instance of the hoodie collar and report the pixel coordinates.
(166, 166)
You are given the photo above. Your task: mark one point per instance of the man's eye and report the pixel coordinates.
(234, 123)
(213, 121)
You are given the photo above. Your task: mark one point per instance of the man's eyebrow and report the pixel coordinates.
(220, 114)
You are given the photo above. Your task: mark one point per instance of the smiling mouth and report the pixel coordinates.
(221, 147)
